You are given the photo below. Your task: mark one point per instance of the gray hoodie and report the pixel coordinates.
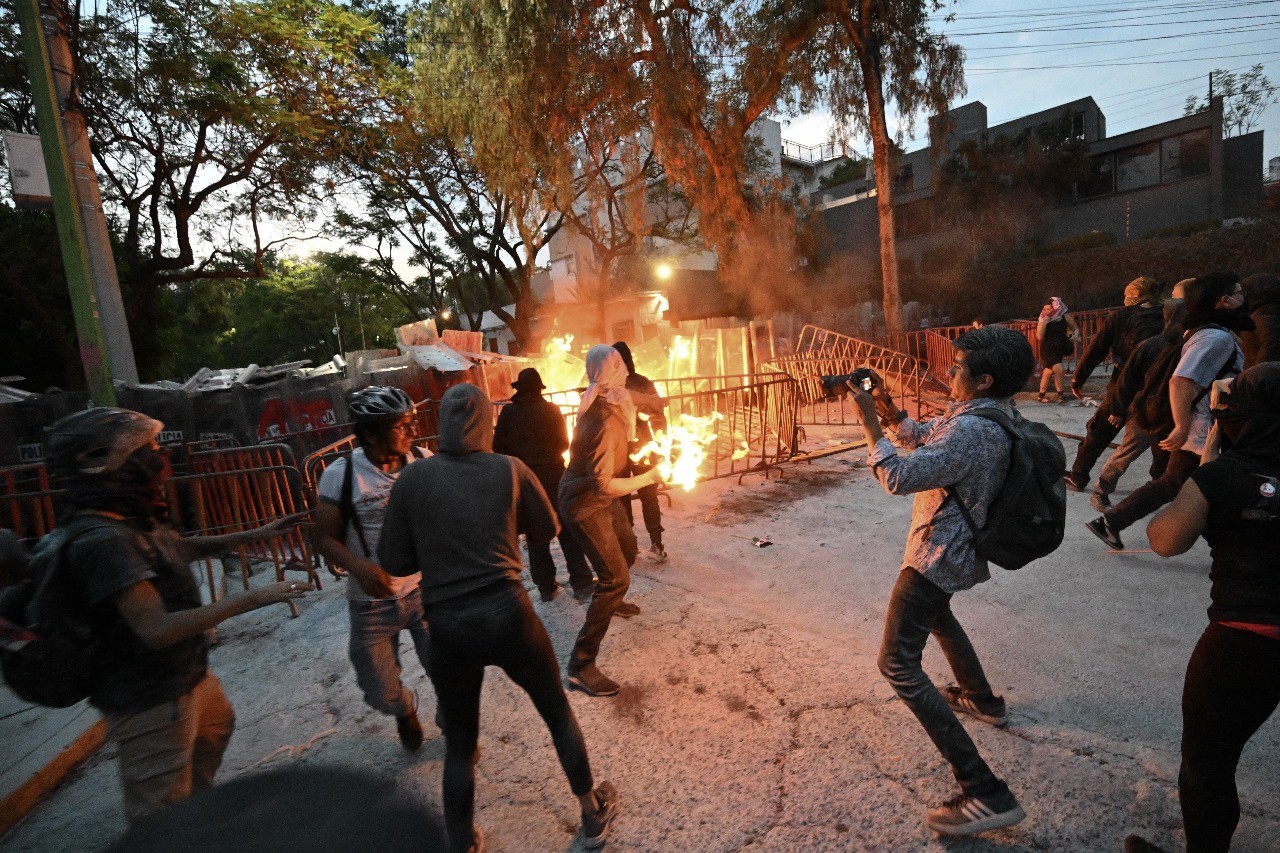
(456, 516)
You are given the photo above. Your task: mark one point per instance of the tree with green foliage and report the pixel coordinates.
(208, 120)
(1245, 97)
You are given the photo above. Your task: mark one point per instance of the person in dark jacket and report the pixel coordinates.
(1262, 298)
(650, 419)
(457, 518)
(533, 430)
(1233, 678)
(597, 476)
(1140, 318)
(1133, 376)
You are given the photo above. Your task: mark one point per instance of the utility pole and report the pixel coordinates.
(103, 334)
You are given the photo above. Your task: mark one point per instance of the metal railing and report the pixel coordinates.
(820, 352)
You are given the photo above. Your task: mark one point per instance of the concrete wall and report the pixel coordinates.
(1242, 191)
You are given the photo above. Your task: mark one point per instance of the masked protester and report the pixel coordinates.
(456, 518)
(1210, 351)
(1233, 678)
(651, 418)
(165, 710)
(1056, 332)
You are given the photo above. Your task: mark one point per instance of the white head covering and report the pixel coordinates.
(607, 375)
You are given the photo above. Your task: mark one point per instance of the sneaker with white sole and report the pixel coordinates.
(657, 554)
(1102, 528)
(596, 826)
(993, 713)
(1100, 501)
(966, 815)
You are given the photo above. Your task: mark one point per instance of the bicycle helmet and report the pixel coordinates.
(96, 442)
(379, 403)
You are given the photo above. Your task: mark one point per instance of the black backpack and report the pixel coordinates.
(52, 657)
(1028, 517)
(1151, 408)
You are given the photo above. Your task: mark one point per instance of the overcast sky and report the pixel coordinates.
(1139, 59)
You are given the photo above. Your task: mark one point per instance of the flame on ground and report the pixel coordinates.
(679, 453)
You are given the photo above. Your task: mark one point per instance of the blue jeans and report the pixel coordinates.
(609, 543)
(494, 626)
(918, 608)
(375, 649)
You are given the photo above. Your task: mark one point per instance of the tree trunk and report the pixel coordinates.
(882, 159)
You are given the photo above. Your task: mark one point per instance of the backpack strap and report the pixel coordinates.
(1231, 359)
(1000, 419)
(346, 503)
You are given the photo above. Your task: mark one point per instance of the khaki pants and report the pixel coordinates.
(172, 750)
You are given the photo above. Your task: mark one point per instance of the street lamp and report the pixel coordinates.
(663, 271)
(446, 314)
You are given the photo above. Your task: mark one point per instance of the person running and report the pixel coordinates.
(1232, 684)
(456, 519)
(972, 455)
(1210, 351)
(1139, 319)
(1056, 333)
(589, 499)
(533, 430)
(353, 494)
(165, 710)
(650, 419)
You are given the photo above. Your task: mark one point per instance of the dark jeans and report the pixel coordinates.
(918, 608)
(542, 569)
(610, 545)
(650, 509)
(494, 626)
(1153, 494)
(1232, 688)
(1098, 433)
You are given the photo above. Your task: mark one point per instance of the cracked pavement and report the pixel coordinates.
(752, 715)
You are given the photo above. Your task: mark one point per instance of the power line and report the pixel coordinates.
(1112, 25)
(1117, 63)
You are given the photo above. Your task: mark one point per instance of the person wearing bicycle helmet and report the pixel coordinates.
(353, 494)
(165, 709)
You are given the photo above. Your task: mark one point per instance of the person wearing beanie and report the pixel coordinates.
(1139, 319)
(1210, 351)
(1232, 685)
(533, 430)
(650, 419)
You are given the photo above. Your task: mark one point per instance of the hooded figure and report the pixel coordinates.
(607, 380)
(653, 419)
(1233, 678)
(1262, 301)
(457, 518)
(533, 430)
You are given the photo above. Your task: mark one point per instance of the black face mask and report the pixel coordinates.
(136, 489)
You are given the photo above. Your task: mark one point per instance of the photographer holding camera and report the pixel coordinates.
(972, 455)
(1233, 678)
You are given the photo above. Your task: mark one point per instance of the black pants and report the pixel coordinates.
(610, 545)
(650, 509)
(1153, 494)
(542, 568)
(918, 608)
(1232, 688)
(1098, 433)
(494, 626)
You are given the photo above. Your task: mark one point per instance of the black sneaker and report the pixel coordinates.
(596, 826)
(410, 731)
(966, 815)
(550, 593)
(1138, 844)
(1100, 501)
(1102, 528)
(993, 713)
(626, 610)
(1073, 483)
(593, 682)
(583, 594)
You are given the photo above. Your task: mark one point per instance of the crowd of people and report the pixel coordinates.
(430, 545)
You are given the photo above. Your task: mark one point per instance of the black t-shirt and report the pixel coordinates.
(109, 558)
(1246, 551)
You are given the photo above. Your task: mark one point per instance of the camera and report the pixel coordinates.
(835, 386)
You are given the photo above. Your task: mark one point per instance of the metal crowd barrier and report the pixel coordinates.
(820, 352)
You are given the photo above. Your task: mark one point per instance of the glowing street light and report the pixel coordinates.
(663, 271)
(446, 314)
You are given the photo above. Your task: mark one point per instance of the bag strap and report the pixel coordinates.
(347, 503)
(1000, 419)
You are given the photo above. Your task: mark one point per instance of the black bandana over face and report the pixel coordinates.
(135, 490)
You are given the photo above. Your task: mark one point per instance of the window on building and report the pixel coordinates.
(624, 331)
(906, 180)
(1184, 156)
(1138, 166)
(1101, 178)
(914, 219)
(1077, 126)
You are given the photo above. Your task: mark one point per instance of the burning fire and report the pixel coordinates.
(680, 452)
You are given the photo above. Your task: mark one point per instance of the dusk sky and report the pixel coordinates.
(1139, 59)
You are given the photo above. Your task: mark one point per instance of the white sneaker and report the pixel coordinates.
(657, 554)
